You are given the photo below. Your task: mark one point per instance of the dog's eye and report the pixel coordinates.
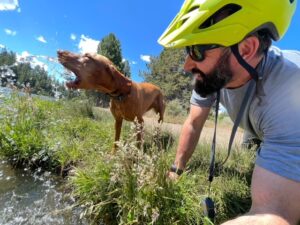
(82, 59)
(89, 57)
(85, 58)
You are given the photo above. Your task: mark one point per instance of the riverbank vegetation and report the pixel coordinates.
(131, 187)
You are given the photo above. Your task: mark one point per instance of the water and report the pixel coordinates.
(6, 92)
(34, 198)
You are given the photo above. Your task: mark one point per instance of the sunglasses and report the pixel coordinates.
(197, 52)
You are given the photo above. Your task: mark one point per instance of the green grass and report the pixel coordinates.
(131, 186)
(51, 135)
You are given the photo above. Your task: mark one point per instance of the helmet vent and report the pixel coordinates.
(193, 8)
(221, 14)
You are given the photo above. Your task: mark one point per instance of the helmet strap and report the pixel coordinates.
(251, 70)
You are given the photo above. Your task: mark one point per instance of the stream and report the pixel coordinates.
(35, 198)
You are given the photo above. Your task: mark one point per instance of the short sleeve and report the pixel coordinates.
(197, 100)
(279, 124)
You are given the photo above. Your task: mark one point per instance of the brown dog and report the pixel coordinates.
(129, 100)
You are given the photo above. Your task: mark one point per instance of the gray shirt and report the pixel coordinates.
(274, 117)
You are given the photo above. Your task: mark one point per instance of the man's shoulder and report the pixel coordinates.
(280, 65)
(286, 55)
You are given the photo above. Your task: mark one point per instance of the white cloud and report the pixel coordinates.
(2, 46)
(41, 39)
(145, 58)
(35, 62)
(26, 57)
(9, 5)
(131, 62)
(73, 37)
(10, 32)
(87, 44)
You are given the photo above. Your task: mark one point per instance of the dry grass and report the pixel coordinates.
(223, 130)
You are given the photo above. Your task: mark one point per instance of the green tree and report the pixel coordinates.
(7, 57)
(110, 47)
(126, 69)
(41, 82)
(166, 71)
(23, 75)
(7, 60)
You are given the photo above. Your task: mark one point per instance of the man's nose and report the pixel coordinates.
(189, 64)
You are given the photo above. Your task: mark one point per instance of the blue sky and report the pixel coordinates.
(38, 28)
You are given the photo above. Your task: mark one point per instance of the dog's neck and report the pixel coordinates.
(123, 87)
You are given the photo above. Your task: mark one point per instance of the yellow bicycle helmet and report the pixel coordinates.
(194, 23)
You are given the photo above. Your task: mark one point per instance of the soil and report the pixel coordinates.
(223, 131)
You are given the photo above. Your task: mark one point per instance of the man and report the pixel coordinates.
(228, 46)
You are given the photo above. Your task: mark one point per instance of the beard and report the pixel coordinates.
(214, 81)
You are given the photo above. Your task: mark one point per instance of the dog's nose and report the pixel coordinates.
(59, 53)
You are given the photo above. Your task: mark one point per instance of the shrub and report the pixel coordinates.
(174, 108)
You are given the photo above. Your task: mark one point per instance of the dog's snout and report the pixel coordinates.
(60, 52)
(60, 55)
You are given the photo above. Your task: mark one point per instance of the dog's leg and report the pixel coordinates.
(160, 107)
(118, 126)
(139, 124)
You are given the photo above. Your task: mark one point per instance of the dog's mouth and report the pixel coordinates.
(71, 63)
(74, 83)
(73, 78)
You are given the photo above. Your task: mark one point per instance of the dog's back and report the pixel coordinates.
(142, 98)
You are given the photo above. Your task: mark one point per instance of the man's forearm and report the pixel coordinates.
(187, 143)
(190, 135)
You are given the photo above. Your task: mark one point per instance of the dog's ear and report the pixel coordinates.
(116, 74)
(123, 84)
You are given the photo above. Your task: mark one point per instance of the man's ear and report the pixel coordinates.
(248, 48)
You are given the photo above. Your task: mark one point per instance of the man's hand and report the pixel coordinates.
(173, 176)
(174, 172)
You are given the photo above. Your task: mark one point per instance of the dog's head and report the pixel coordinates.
(92, 71)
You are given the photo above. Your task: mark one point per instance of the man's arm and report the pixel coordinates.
(275, 200)
(190, 135)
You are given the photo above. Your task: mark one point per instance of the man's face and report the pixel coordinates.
(209, 83)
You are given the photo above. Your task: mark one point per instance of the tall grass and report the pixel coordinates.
(131, 186)
(49, 134)
(23, 131)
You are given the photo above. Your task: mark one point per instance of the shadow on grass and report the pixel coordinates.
(234, 205)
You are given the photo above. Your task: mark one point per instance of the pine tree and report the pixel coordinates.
(166, 71)
(110, 47)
